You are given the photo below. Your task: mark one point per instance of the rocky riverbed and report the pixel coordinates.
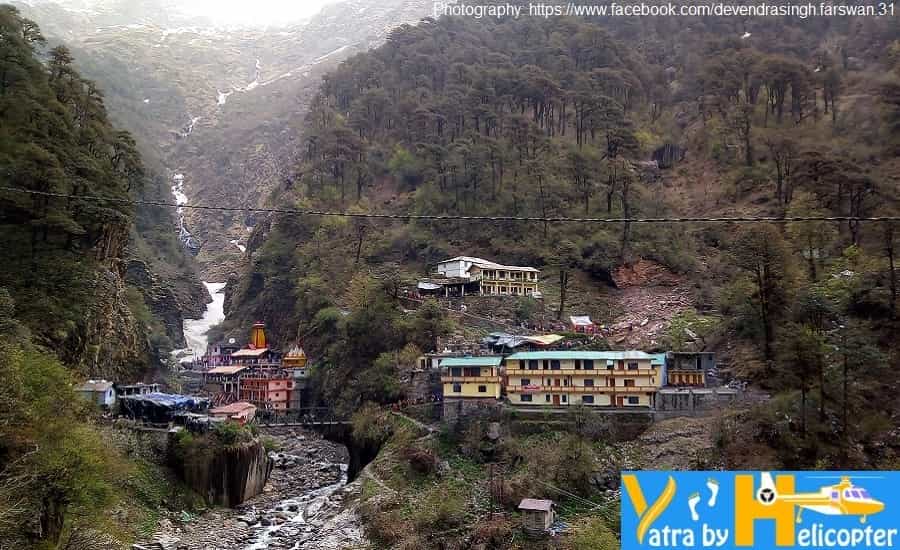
(306, 505)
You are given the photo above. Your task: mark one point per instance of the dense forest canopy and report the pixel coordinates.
(64, 307)
(561, 117)
(65, 257)
(56, 138)
(531, 117)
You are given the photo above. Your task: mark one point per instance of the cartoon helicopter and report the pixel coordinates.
(842, 499)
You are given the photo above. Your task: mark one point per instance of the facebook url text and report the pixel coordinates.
(613, 9)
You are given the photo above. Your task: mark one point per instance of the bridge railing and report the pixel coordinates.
(307, 415)
(425, 410)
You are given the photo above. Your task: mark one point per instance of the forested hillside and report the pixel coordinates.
(610, 118)
(65, 309)
(62, 255)
(216, 105)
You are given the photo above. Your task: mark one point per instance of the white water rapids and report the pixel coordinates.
(320, 522)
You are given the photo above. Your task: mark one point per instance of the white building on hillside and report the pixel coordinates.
(467, 274)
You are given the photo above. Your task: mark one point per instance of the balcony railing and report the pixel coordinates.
(582, 373)
(468, 379)
(581, 389)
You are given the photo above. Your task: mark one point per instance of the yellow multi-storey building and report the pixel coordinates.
(471, 377)
(466, 275)
(500, 280)
(590, 378)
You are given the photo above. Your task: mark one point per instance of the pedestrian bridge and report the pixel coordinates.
(306, 417)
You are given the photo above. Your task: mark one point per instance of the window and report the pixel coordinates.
(455, 371)
(482, 389)
(565, 398)
(546, 364)
(522, 364)
(532, 364)
(587, 398)
(629, 383)
(589, 382)
(588, 364)
(565, 381)
(457, 388)
(547, 398)
(554, 364)
(526, 381)
(578, 364)
(609, 365)
(632, 366)
(634, 400)
(525, 398)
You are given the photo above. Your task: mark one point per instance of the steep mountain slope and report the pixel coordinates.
(215, 105)
(64, 258)
(570, 117)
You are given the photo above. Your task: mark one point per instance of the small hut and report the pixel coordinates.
(537, 515)
(582, 324)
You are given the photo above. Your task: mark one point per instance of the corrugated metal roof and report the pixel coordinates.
(226, 370)
(536, 504)
(233, 408)
(94, 386)
(250, 352)
(485, 361)
(595, 355)
(544, 340)
(488, 264)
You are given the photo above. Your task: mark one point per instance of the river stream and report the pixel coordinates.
(306, 505)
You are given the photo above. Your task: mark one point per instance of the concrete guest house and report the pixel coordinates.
(467, 275)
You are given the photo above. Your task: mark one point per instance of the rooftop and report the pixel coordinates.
(487, 264)
(94, 386)
(536, 505)
(513, 340)
(226, 370)
(233, 408)
(250, 352)
(484, 361)
(595, 355)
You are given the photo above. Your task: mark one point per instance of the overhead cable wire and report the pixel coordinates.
(456, 217)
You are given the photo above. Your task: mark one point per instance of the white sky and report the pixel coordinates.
(253, 12)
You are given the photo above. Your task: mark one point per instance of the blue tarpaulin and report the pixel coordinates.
(161, 407)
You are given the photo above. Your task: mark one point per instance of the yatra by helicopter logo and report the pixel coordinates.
(816, 510)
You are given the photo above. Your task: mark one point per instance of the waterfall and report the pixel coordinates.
(196, 330)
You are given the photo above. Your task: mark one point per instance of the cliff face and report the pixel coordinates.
(228, 476)
(169, 300)
(109, 341)
(218, 106)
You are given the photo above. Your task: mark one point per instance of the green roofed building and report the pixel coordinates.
(471, 377)
(590, 378)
